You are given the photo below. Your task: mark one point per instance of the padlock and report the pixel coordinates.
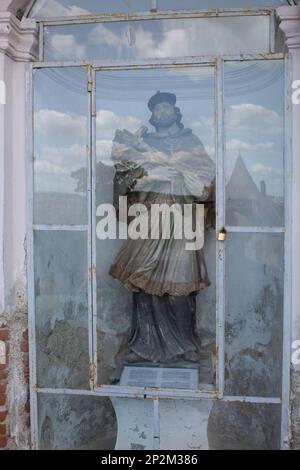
(222, 235)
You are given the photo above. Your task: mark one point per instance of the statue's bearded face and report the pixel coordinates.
(164, 115)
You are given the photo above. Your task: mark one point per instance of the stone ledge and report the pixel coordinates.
(18, 39)
(290, 24)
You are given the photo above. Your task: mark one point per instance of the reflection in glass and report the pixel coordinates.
(61, 309)
(67, 422)
(244, 426)
(158, 38)
(254, 123)
(211, 4)
(254, 314)
(60, 139)
(151, 313)
(65, 8)
(216, 425)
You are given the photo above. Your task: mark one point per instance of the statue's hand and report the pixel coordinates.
(134, 140)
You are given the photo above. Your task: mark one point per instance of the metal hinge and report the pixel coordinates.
(90, 80)
(92, 372)
(153, 5)
(92, 271)
(90, 86)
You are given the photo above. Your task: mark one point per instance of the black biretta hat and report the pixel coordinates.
(161, 97)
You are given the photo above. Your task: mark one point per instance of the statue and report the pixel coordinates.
(167, 166)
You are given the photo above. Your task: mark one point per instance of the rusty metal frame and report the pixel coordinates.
(166, 15)
(153, 14)
(90, 229)
(30, 258)
(160, 15)
(41, 42)
(144, 393)
(124, 64)
(156, 424)
(33, 228)
(150, 392)
(287, 307)
(220, 223)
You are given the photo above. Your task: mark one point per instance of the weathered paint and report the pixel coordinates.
(109, 17)
(152, 392)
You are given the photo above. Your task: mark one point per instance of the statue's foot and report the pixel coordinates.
(191, 356)
(132, 358)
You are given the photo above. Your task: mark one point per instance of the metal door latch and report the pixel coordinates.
(222, 235)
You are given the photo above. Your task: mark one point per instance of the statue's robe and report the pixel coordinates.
(164, 276)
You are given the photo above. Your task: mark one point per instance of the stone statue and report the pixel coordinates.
(167, 166)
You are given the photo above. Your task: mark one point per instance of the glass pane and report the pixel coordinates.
(158, 38)
(244, 426)
(62, 8)
(155, 148)
(191, 417)
(60, 140)
(254, 123)
(254, 314)
(61, 309)
(215, 425)
(211, 4)
(68, 422)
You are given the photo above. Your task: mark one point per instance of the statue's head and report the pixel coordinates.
(164, 111)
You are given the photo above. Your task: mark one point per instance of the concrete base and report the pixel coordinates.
(183, 424)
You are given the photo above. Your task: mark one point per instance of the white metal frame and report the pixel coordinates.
(149, 392)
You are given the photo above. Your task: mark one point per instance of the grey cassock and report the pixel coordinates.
(163, 275)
